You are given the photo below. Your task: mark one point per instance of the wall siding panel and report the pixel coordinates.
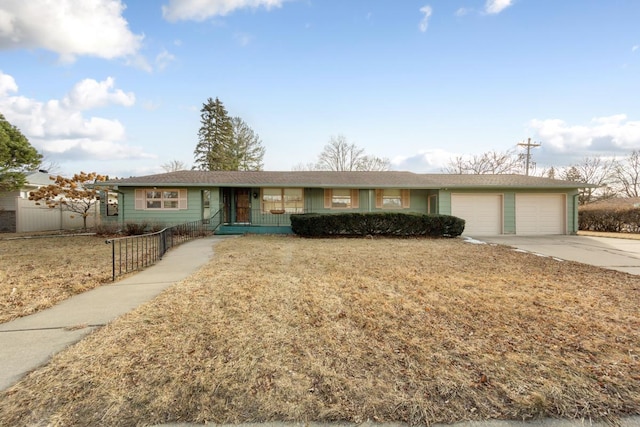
(129, 213)
(509, 214)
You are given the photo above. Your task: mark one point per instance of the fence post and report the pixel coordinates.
(113, 260)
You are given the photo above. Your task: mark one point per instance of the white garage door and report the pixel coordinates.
(540, 214)
(482, 213)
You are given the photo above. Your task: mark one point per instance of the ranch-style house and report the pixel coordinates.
(238, 202)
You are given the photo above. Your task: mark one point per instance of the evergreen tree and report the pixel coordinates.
(215, 138)
(224, 143)
(17, 156)
(247, 151)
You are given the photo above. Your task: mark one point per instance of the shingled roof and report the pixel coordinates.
(325, 179)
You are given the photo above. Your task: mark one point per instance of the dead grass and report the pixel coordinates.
(37, 273)
(420, 331)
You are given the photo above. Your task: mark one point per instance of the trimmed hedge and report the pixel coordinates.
(626, 220)
(376, 224)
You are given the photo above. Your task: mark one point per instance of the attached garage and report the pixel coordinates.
(541, 214)
(482, 213)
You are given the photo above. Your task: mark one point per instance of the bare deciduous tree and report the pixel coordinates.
(490, 162)
(592, 170)
(627, 174)
(340, 155)
(371, 163)
(301, 167)
(174, 166)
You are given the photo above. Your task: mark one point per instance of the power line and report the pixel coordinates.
(529, 145)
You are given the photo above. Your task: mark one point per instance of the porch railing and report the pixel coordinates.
(134, 253)
(256, 216)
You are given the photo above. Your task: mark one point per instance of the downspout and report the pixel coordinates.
(576, 220)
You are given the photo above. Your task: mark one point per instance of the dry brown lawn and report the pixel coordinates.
(420, 331)
(37, 273)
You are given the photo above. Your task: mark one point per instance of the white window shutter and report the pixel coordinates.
(140, 199)
(182, 199)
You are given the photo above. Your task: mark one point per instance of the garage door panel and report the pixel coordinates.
(482, 213)
(540, 214)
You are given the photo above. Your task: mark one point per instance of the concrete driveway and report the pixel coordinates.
(614, 254)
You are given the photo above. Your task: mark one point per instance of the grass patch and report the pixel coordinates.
(37, 273)
(418, 331)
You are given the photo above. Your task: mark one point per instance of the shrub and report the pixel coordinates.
(620, 220)
(376, 224)
(156, 226)
(107, 229)
(135, 228)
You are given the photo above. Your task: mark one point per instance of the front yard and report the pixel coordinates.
(36, 273)
(415, 330)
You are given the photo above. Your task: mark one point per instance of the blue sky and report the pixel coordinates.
(115, 86)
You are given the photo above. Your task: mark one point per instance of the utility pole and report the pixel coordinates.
(529, 145)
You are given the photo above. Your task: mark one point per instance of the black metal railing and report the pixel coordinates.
(256, 216)
(134, 253)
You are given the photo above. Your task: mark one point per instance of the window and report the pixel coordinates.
(392, 198)
(282, 200)
(341, 198)
(161, 199)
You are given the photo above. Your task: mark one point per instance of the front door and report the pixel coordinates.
(243, 205)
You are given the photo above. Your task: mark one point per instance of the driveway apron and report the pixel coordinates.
(614, 254)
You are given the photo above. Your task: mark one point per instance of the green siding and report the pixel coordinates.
(509, 213)
(572, 212)
(314, 202)
(444, 202)
(128, 212)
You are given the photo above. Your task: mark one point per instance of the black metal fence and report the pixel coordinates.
(134, 253)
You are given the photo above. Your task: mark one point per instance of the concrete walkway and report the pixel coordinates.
(29, 342)
(611, 253)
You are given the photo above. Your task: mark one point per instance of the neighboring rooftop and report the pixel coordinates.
(323, 179)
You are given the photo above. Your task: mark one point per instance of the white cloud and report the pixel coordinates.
(496, 6)
(462, 11)
(68, 27)
(163, 59)
(431, 161)
(60, 129)
(608, 134)
(427, 12)
(139, 62)
(7, 84)
(634, 48)
(89, 94)
(199, 10)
